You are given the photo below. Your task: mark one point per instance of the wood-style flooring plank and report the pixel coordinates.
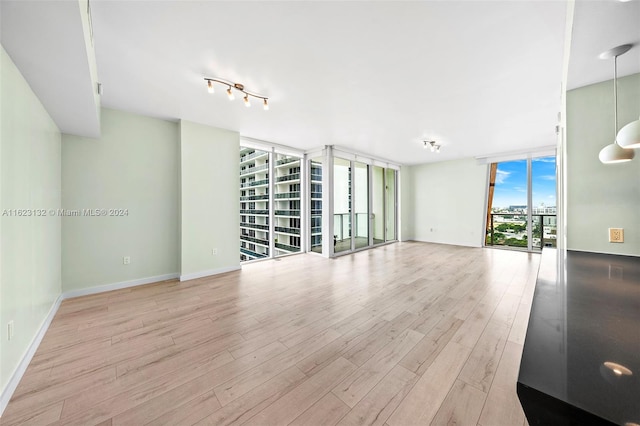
(299, 399)
(327, 412)
(354, 387)
(376, 407)
(462, 406)
(420, 406)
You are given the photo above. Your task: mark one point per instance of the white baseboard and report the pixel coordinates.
(117, 286)
(201, 274)
(8, 391)
(11, 386)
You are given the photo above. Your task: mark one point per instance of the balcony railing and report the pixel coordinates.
(316, 177)
(254, 183)
(281, 195)
(254, 226)
(285, 178)
(252, 253)
(287, 247)
(510, 229)
(254, 197)
(284, 229)
(245, 158)
(342, 224)
(295, 213)
(254, 240)
(286, 161)
(316, 195)
(250, 170)
(253, 211)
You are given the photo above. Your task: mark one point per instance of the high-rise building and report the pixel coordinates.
(286, 204)
(256, 199)
(254, 204)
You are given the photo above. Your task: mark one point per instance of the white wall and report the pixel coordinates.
(30, 245)
(209, 200)
(444, 202)
(135, 165)
(601, 196)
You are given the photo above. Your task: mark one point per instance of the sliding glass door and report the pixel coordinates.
(341, 205)
(378, 195)
(361, 205)
(521, 211)
(390, 205)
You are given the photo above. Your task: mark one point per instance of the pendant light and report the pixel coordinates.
(614, 153)
(629, 135)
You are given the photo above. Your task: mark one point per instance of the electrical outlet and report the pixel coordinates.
(616, 235)
(10, 330)
(126, 260)
(214, 251)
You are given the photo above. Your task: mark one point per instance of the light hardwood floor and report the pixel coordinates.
(404, 334)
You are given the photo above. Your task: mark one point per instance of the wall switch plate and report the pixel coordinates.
(616, 235)
(214, 251)
(126, 260)
(10, 330)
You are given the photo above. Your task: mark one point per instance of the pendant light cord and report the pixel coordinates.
(615, 99)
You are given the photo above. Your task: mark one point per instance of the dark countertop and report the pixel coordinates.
(582, 348)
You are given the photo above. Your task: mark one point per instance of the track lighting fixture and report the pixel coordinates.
(433, 146)
(240, 88)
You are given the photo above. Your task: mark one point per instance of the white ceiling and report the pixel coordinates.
(480, 77)
(600, 26)
(45, 40)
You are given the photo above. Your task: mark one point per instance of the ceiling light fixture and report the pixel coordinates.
(240, 88)
(614, 153)
(433, 146)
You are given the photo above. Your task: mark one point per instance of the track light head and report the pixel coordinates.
(230, 94)
(210, 86)
(265, 104)
(246, 101)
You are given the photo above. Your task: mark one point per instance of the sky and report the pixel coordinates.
(511, 182)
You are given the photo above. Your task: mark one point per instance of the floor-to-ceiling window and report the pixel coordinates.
(522, 203)
(360, 183)
(342, 205)
(292, 202)
(315, 192)
(364, 204)
(287, 204)
(254, 204)
(378, 194)
(543, 202)
(391, 205)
